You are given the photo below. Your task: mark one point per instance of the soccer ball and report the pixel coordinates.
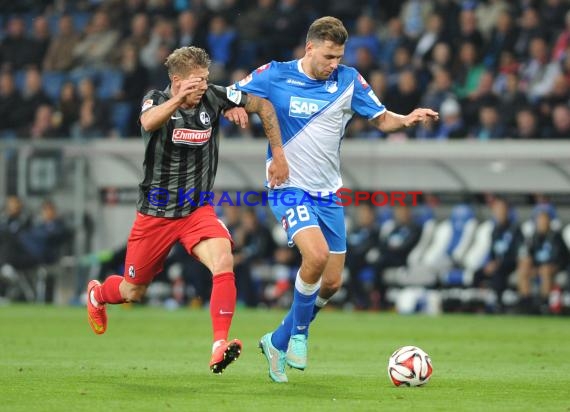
(409, 366)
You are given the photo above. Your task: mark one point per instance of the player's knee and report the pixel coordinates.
(331, 286)
(224, 262)
(316, 259)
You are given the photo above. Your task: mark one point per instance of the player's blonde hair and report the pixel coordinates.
(183, 60)
(328, 28)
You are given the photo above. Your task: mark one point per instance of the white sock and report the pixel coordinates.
(92, 299)
(306, 289)
(217, 344)
(321, 302)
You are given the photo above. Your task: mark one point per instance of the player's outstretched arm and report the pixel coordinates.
(391, 122)
(279, 169)
(155, 117)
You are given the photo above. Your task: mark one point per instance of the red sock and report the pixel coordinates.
(109, 291)
(222, 304)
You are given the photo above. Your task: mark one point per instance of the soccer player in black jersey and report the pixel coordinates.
(179, 126)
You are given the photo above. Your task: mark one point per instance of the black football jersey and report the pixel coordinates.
(181, 157)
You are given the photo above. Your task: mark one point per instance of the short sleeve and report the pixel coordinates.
(364, 100)
(228, 97)
(258, 81)
(151, 99)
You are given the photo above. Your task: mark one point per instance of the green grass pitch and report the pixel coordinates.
(156, 360)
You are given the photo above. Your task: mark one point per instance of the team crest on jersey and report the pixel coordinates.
(331, 86)
(262, 68)
(132, 272)
(362, 81)
(205, 118)
(191, 137)
(305, 108)
(245, 80)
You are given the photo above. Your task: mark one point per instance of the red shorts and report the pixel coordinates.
(152, 238)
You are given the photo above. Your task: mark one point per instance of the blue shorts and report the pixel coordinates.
(297, 210)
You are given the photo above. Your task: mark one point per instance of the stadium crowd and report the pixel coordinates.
(493, 69)
(477, 259)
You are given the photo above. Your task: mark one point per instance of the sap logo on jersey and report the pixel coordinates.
(304, 108)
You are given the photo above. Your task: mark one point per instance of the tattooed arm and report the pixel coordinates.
(279, 169)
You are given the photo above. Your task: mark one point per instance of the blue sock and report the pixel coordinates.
(280, 338)
(316, 310)
(302, 312)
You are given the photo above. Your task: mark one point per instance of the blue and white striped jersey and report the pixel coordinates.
(312, 116)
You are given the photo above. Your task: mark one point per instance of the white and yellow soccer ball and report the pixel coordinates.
(409, 366)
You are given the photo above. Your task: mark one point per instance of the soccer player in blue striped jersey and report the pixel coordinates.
(314, 98)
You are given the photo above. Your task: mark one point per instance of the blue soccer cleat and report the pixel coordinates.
(275, 358)
(297, 352)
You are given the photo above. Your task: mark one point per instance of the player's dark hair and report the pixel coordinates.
(328, 28)
(185, 59)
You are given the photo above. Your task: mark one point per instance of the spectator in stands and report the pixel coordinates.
(414, 15)
(10, 102)
(254, 27)
(94, 51)
(563, 40)
(362, 241)
(530, 28)
(41, 39)
(503, 38)
(13, 222)
(469, 33)
(506, 239)
(561, 122)
(468, 71)
(32, 98)
(538, 73)
(451, 125)
(439, 89)
(489, 14)
(257, 248)
(92, 121)
(187, 29)
(365, 63)
(396, 246)
(221, 43)
(526, 125)
(59, 55)
(402, 61)
(512, 101)
(490, 124)
(391, 40)
(44, 125)
(544, 255)
(135, 82)
(427, 41)
(559, 95)
(365, 36)
(43, 241)
(67, 111)
(406, 95)
(16, 50)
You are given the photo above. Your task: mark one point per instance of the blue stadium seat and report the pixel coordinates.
(80, 20)
(120, 117)
(109, 84)
(52, 81)
(20, 79)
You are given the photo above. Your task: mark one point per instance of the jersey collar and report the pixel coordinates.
(300, 67)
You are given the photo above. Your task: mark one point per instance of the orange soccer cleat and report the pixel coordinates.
(97, 315)
(225, 354)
